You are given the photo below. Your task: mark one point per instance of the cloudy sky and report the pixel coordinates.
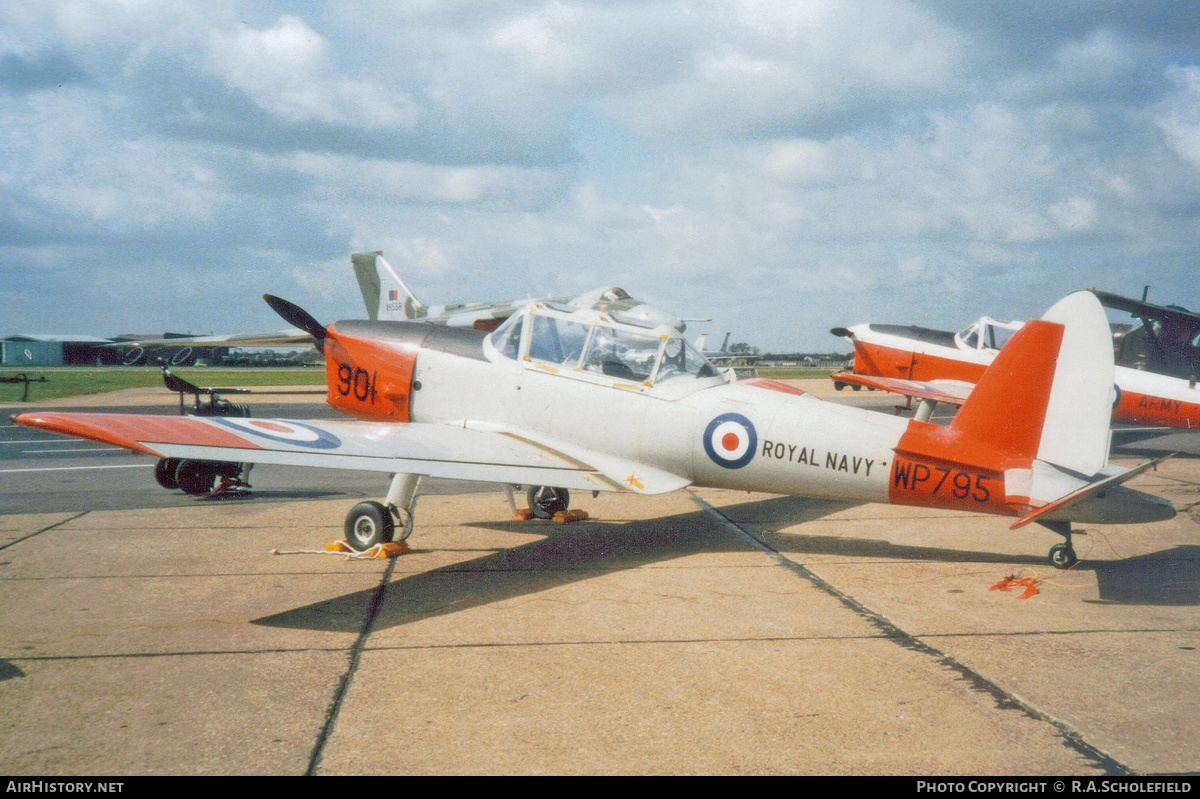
(783, 167)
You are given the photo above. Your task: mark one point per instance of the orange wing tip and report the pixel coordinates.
(80, 426)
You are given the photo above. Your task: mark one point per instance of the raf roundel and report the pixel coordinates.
(285, 432)
(730, 440)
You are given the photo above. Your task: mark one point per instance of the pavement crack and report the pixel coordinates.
(356, 650)
(1072, 738)
(44, 529)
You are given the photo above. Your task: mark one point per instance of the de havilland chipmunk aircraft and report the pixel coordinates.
(568, 399)
(1155, 380)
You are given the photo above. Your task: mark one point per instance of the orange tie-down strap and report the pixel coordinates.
(1012, 580)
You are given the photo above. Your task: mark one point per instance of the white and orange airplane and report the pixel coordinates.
(561, 398)
(1155, 377)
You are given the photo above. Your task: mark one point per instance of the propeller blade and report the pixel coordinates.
(176, 383)
(297, 317)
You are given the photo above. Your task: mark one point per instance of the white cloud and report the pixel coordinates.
(288, 70)
(782, 166)
(1179, 114)
(1075, 214)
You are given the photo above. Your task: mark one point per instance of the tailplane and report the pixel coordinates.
(384, 293)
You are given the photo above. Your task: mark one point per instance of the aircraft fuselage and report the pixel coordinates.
(1141, 397)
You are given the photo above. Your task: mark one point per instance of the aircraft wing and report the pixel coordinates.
(953, 392)
(1180, 316)
(454, 452)
(291, 337)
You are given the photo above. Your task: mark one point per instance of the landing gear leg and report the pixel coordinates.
(509, 494)
(401, 500)
(1062, 556)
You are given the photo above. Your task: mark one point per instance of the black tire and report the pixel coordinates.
(1062, 556)
(838, 386)
(196, 477)
(545, 501)
(368, 524)
(164, 473)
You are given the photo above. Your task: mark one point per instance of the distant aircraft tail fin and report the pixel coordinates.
(384, 293)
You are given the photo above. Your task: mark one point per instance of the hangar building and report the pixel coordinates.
(53, 350)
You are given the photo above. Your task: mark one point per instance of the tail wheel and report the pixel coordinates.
(368, 524)
(164, 473)
(1062, 556)
(545, 501)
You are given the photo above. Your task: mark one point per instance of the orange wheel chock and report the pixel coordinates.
(391, 549)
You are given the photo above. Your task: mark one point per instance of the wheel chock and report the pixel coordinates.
(390, 549)
(562, 516)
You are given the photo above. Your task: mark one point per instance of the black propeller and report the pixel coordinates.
(297, 317)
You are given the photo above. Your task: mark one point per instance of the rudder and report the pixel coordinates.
(1047, 395)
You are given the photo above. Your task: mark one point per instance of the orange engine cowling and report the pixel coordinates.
(369, 368)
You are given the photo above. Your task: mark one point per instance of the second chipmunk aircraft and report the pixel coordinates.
(564, 398)
(1155, 381)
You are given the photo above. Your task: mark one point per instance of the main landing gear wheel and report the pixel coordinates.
(195, 477)
(545, 501)
(164, 473)
(368, 524)
(200, 478)
(1062, 556)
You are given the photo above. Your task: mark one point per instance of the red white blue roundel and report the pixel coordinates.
(286, 432)
(730, 440)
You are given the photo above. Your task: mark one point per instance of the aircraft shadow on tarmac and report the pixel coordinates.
(581, 551)
(8, 671)
(1168, 577)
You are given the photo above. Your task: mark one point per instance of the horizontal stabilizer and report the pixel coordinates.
(952, 392)
(1093, 490)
